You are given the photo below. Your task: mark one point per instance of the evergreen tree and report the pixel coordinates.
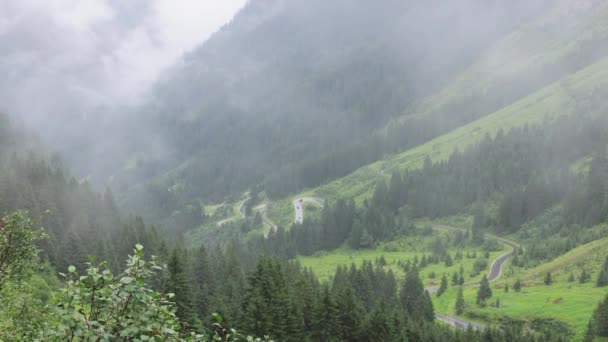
(460, 304)
(414, 299)
(517, 285)
(602, 279)
(548, 279)
(396, 191)
(484, 291)
(448, 260)
(584, 277)
(294, 329)
(443, 287)
(351, 314)
(326, 326)
(178, 283)
(380, 325)
(477, 235)
(266, 302)
(455, 279)
(203, 283)
(598, 325)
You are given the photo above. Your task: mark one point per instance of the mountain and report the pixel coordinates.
(284, 95)
(78, 221)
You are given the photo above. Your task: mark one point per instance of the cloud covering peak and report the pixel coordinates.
(64, 57)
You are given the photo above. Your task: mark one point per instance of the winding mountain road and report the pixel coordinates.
(298, 205)
(272, 227)
(495, 273)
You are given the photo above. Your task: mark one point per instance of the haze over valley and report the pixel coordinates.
(288, 170)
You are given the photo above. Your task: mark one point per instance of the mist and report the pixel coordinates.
(68, 61)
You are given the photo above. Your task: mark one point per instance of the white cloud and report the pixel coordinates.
(66, 55)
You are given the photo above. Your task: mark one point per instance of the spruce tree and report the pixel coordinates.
(598, 325)
(294, 327)
(517, 285)
(203, 283)
(460, 304)
(178, 283)
(351, 314)
(602, 279)
(484, 291)
(443, 287)
(326, 326)
(584, 277)
(415, 299)
(454, 279)
(601, 318)
(548, 279)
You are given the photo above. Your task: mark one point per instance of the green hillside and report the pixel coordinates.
(567, 301)
(558, 99)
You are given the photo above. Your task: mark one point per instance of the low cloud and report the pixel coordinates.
(61, 58)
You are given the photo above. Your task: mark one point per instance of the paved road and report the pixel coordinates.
(495, 273)
(272, 227)
(224, 221)
(298, 205)
(234, 218)
(242, 207)
(459, 323)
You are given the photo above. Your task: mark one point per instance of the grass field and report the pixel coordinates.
(324, 264)
(569, 302)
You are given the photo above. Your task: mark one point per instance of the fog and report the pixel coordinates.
(63, 59)
(260, 102)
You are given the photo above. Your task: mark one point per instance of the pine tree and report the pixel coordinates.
(548, 279)
(178, 283)
(380, 325)
(351, 314)
(598, 325)
(326, 326)
(396, 191)
(455, 279)
(571, 278)
(294, 329)
(203, 283)
(601, 319)
(444, 286)
(415, 299)
(460, 304)
(602, 279)
(584, 277)
(517, 285)
(266, 303)
(448, 260)
(484, 291)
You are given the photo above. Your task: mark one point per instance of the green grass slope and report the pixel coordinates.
(546, 48)
(557, 99)
(569, 302)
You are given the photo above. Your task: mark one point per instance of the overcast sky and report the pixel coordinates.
(59, 56)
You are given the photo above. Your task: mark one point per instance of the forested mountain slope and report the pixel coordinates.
(262, 100)
(575, 94)
(79, 222)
